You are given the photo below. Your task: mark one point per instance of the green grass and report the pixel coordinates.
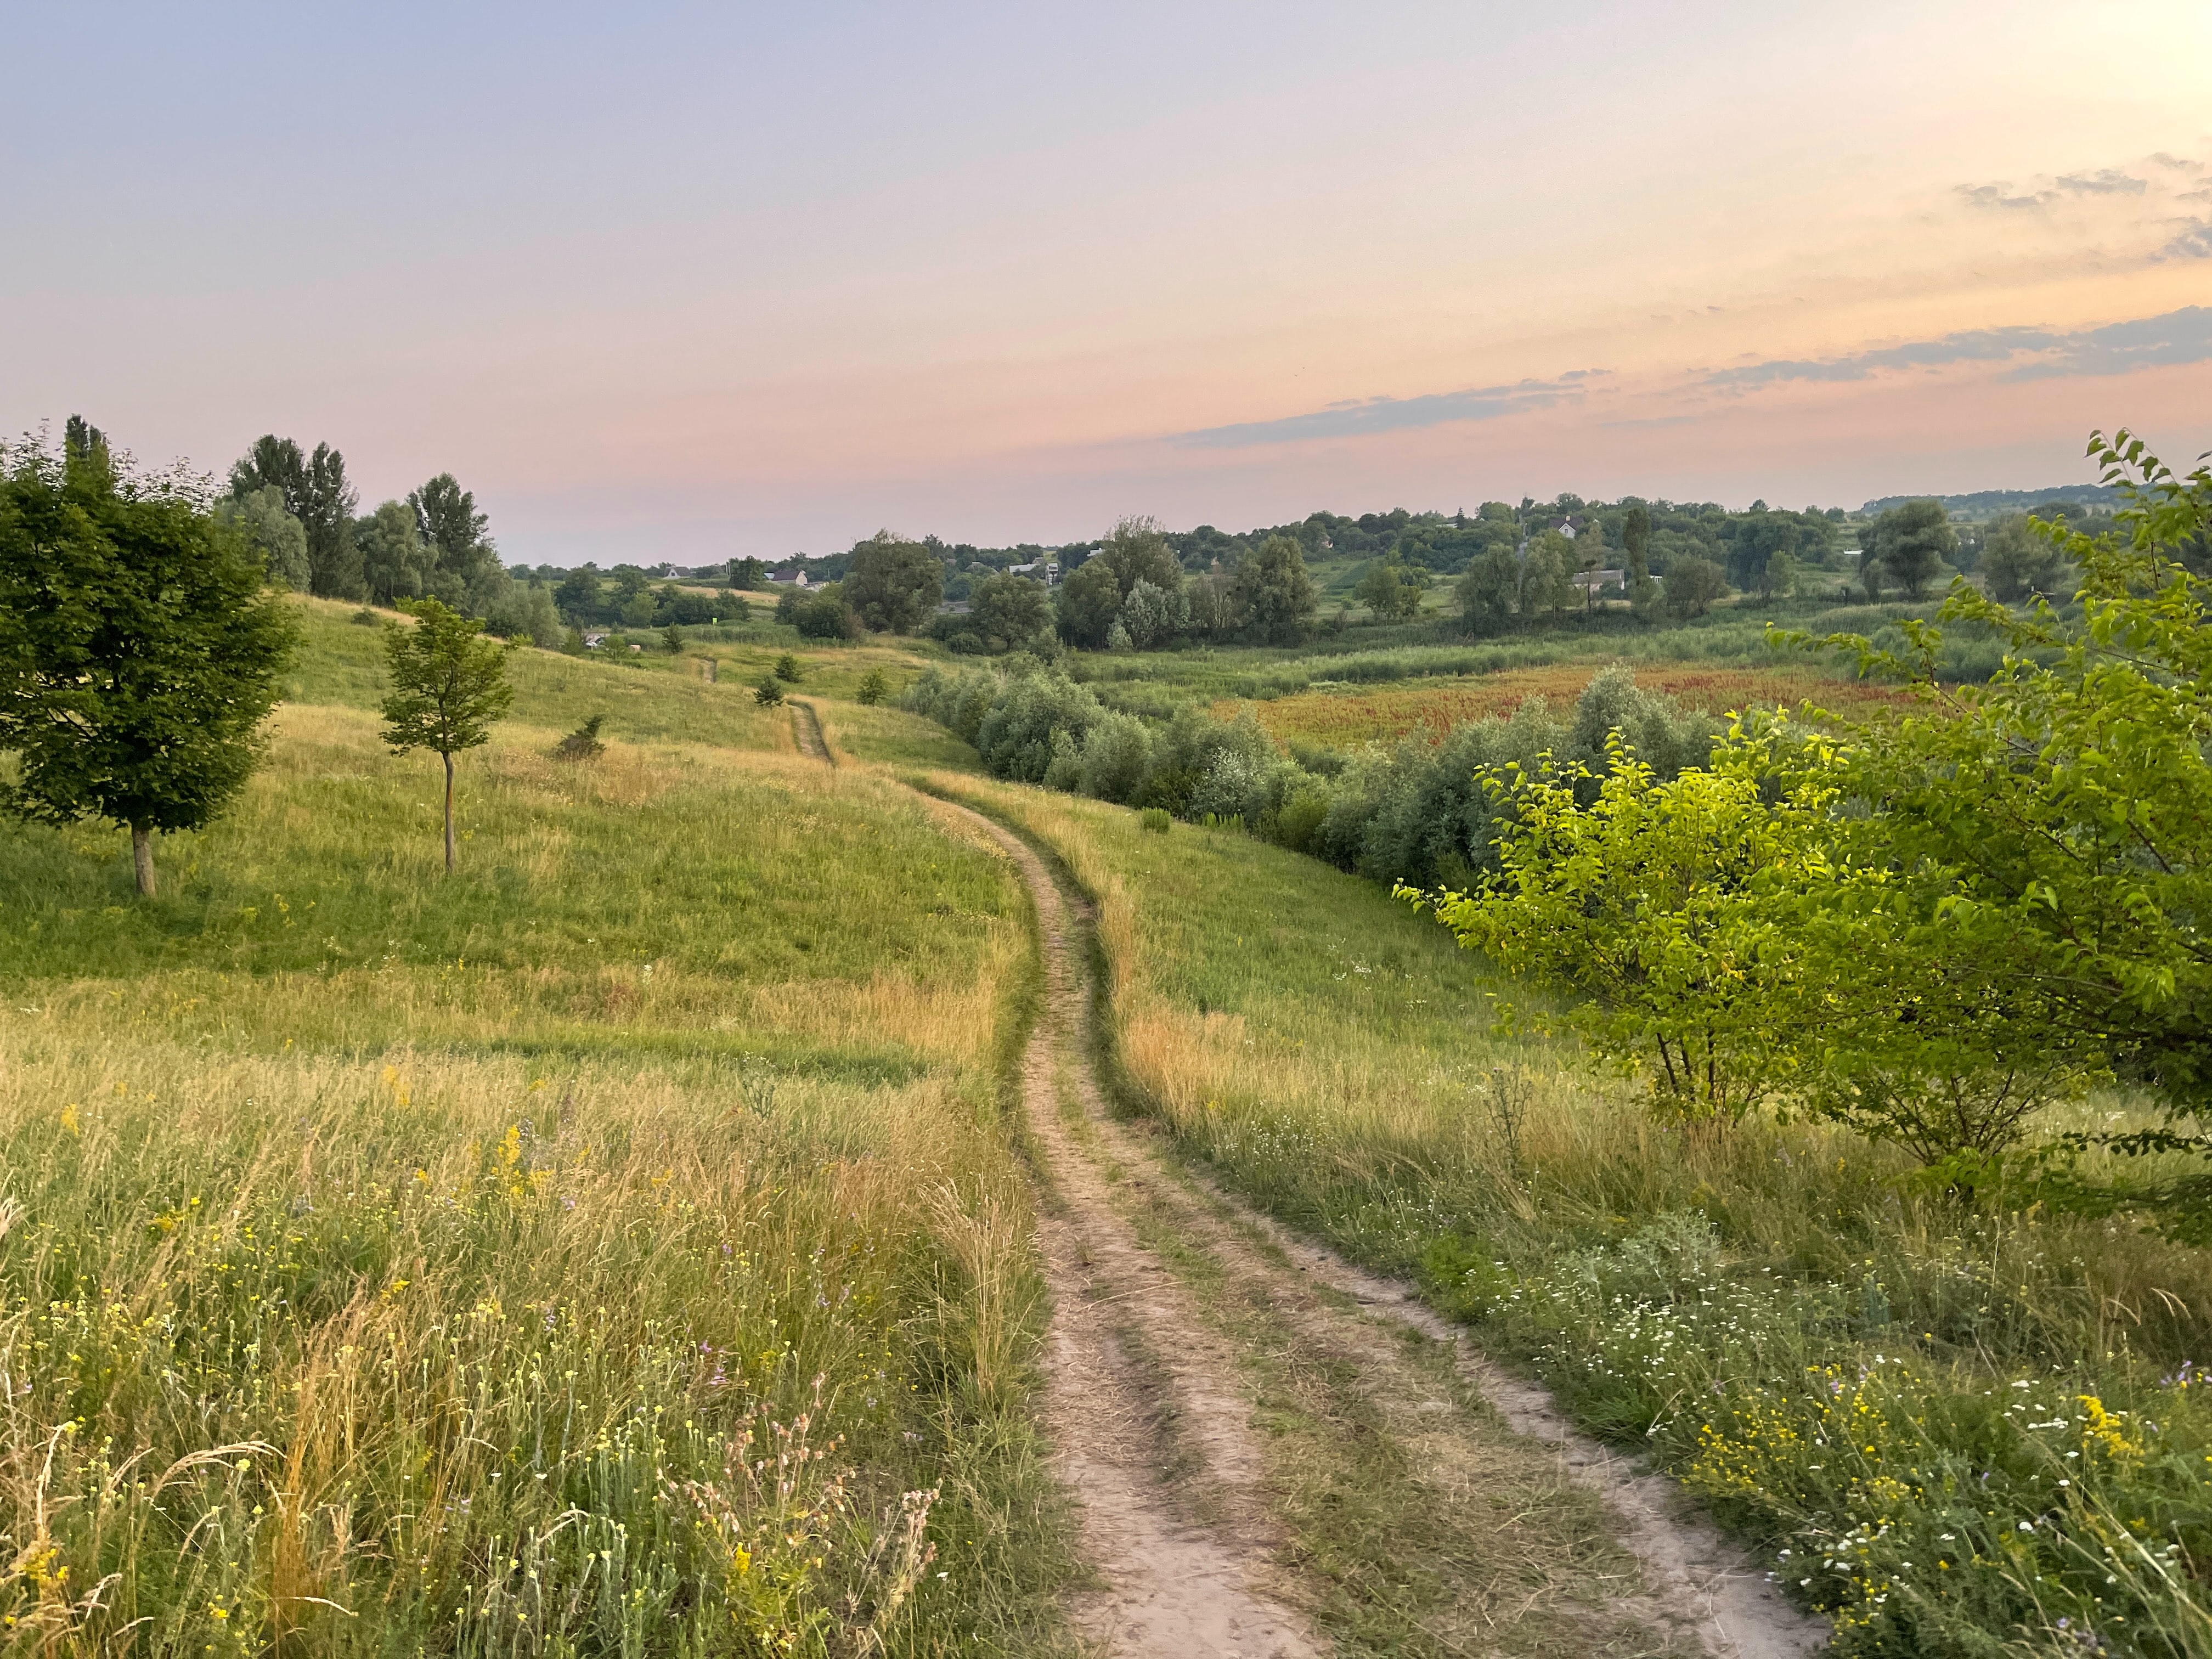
(1156, 683)
(1958, 1427)
(392, 1263)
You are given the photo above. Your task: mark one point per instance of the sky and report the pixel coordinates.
(692, 282)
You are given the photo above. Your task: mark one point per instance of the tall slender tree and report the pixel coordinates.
(318, 493)
(458, 538)
(448, 685)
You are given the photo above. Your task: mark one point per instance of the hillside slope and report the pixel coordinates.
(394, 1262)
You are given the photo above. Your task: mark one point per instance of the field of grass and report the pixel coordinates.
(1155, 682)
(1347, 716)
(615, 1247)
(1961, 1432)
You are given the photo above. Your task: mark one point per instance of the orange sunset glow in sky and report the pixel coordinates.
(686, 282)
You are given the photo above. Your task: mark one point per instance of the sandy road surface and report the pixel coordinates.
(1173, 1304)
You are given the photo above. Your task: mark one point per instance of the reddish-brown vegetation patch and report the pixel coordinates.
(1357, 716)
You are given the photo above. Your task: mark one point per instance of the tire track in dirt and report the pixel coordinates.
(806, 731)
(1151, 1432)
(1150, 1400)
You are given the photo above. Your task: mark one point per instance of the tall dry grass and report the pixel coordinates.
(614, 1248)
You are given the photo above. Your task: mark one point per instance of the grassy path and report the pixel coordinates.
(806, 728)
(1274, 1453)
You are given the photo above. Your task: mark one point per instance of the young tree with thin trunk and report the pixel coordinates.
(448, 685)
(140, 648)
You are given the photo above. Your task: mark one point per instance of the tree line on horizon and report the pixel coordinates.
(1529, 566)
(297, 508)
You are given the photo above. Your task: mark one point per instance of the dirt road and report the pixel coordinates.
(1277, 1454)
(806, 731)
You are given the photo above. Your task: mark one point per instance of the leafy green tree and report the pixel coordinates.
(1692, 584)
(82, 441)
(1090, 601)
(1008, 611)
(1153, 616)
(2016, 564)
(2068, 800)
(1636, 543)
(875, 687)
(261, 517)
(1389, 591)
(394, 563)
(1137, 550)
(458, 538)
(788, 669)
(334, 562)
(525, 612)
(448, 685)
(317, 494)
(822, 614)
(1719, 928)
(1912, 541)
(1654, 905)
(748, 575)
(1487, 592)
(1274, 593)
(1636, 539)
(1589, 556)
(1546, 586)
(1781, 575)
(768, 694)
(671, 638)
(139, 649)
(580, 595)
(893, 585)
(1870, 572)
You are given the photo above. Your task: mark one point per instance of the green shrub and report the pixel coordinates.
(875, 687)
(788, 669)
(1155, 818)
(768, 692)
(582, 744)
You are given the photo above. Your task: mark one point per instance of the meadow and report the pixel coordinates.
(615, 1248)
(1345, 716)
(1154, 684)
(1959, 1431)
(622, 1245)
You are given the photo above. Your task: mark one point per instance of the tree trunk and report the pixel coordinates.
(449, 815)
(142, 858)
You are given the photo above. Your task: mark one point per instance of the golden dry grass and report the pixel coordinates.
(395, 1262)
